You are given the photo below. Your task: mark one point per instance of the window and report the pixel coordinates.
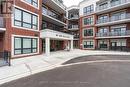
(44, 25)
(88, 21)
(103, 30)
(103, 6)
(88, 10)
(118, 16)
(103, 44)
(115, 2)
(33, 2)
(24, 45)
(88, 32)
(118, 30)
(88, 44)
(103, 19)
(24, 19)
(44, 10)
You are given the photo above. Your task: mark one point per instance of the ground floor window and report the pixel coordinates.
(88, 44)
(88, 32)
(25, 45)
(103, 44)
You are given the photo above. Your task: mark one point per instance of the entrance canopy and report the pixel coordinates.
(47, 33)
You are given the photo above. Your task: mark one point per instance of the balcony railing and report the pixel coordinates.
(60, 4)
(2, 22)
(76, 36)
(112, 4)
(73, 26)
(74, 17)
(108, 34)
(5, 58)
(51, 14)
(114, 18)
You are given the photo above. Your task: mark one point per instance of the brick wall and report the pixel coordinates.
(18, 31)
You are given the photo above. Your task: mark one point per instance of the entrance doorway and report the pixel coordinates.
(56, 45)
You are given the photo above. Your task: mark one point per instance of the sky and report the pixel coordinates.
(69, 3)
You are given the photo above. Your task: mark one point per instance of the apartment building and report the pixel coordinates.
(113, 25)
(87, 24)
(33, 27)
(20, 29)
(104, 24)
(73, 23)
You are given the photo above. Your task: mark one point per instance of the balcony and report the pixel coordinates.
(114, 34)
(57, 5)
(2, 24)
(52, 17)
(114, 20)
(76, 37)
(112, 6)
(60, 4)
(73, 27)
(75, 17)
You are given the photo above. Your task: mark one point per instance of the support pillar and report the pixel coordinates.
(71, 46)
(47, 49)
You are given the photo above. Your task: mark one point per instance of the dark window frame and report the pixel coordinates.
(22, 22)
(88, 9)
(88, 21)
(32, 2)
(22, 49)
(88, 32)
(89, 46)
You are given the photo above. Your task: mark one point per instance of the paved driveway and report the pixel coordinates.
(97, 57)
(103, 74)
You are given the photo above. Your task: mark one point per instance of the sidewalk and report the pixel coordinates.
(30, 65)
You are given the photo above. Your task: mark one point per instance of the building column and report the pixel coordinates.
(71, 45)
(47, 49)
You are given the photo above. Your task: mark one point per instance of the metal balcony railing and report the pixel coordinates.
(73, 26)
(74, 17)
(5, 58)
(114, 18)
(2, 22)
(108, 34)
(51, 14)
(112, 4)
(76, 36)
(60, 3)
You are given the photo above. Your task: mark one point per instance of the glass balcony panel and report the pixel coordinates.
(2, 22)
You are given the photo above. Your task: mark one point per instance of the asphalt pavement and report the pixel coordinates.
(103, 74)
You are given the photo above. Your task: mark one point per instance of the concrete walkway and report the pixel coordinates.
(30, 65)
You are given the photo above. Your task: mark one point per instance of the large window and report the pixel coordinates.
(103, 6)
(24, 45)
(115, 2)
(88, 44)
(103, 19)
(33, 2)
(88, 10)
(25, 19)
(118, 16)
(88, 21)
(88, 32)
(103, 30)
(103, 44)
(118, 30)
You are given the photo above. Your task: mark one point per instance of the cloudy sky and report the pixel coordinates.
(71, 2)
